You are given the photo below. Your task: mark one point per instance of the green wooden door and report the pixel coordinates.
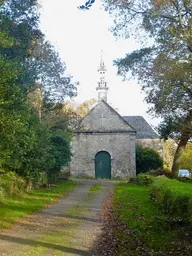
(103, 165)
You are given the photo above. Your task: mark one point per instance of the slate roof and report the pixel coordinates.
(143, 129)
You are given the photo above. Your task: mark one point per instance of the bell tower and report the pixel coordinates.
(102, 84)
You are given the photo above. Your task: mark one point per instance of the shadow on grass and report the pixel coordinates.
(31, 208)
(43, 244)
(73, 217)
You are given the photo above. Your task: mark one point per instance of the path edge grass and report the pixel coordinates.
(16, 207)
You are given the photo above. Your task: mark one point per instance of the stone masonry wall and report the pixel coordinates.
(121, 147)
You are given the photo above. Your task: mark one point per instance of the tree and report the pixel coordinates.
(84, 108)
(54, 83)
(19, 21)
(163, 68)
(36, 58)
(75, 112)
(61, 153)
(60, 134)
(179, 129)
(26, 141)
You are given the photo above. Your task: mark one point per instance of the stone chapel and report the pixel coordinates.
(104, 145)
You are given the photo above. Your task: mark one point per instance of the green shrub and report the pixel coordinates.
(143, 180)
(160, 172)
(173, 198)
(39, 181)
(147, 159)
(11, 184)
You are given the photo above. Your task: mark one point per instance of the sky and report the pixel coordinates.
(79, 37)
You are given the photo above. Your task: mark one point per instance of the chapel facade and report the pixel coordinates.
(104, 145)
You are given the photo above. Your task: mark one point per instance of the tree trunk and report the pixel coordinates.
(178, 154)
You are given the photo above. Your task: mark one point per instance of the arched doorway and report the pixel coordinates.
(103, 165)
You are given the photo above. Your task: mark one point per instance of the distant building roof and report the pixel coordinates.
(143, 129)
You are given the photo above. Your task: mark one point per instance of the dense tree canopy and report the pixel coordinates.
(27, 62)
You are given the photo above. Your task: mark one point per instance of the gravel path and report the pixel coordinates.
(69, 227)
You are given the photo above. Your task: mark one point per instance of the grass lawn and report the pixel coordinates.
(141, 221)
(177, 187)
(13, 208)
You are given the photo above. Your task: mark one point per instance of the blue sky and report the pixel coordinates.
(79, 36)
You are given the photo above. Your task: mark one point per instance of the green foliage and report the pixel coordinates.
(169, 128)
(24, 144)
(60, 153)
(19, 22)
(161, 172)
(25, 44)
(27, 144)
(143, 180)
(173, 198)
(147, 159)
(56, 118)
(60, 150)
(21, 144)
(11, 185)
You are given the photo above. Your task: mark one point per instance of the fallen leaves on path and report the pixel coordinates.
(117, 239)
(110, 243)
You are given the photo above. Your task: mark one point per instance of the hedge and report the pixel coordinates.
(173, 198)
